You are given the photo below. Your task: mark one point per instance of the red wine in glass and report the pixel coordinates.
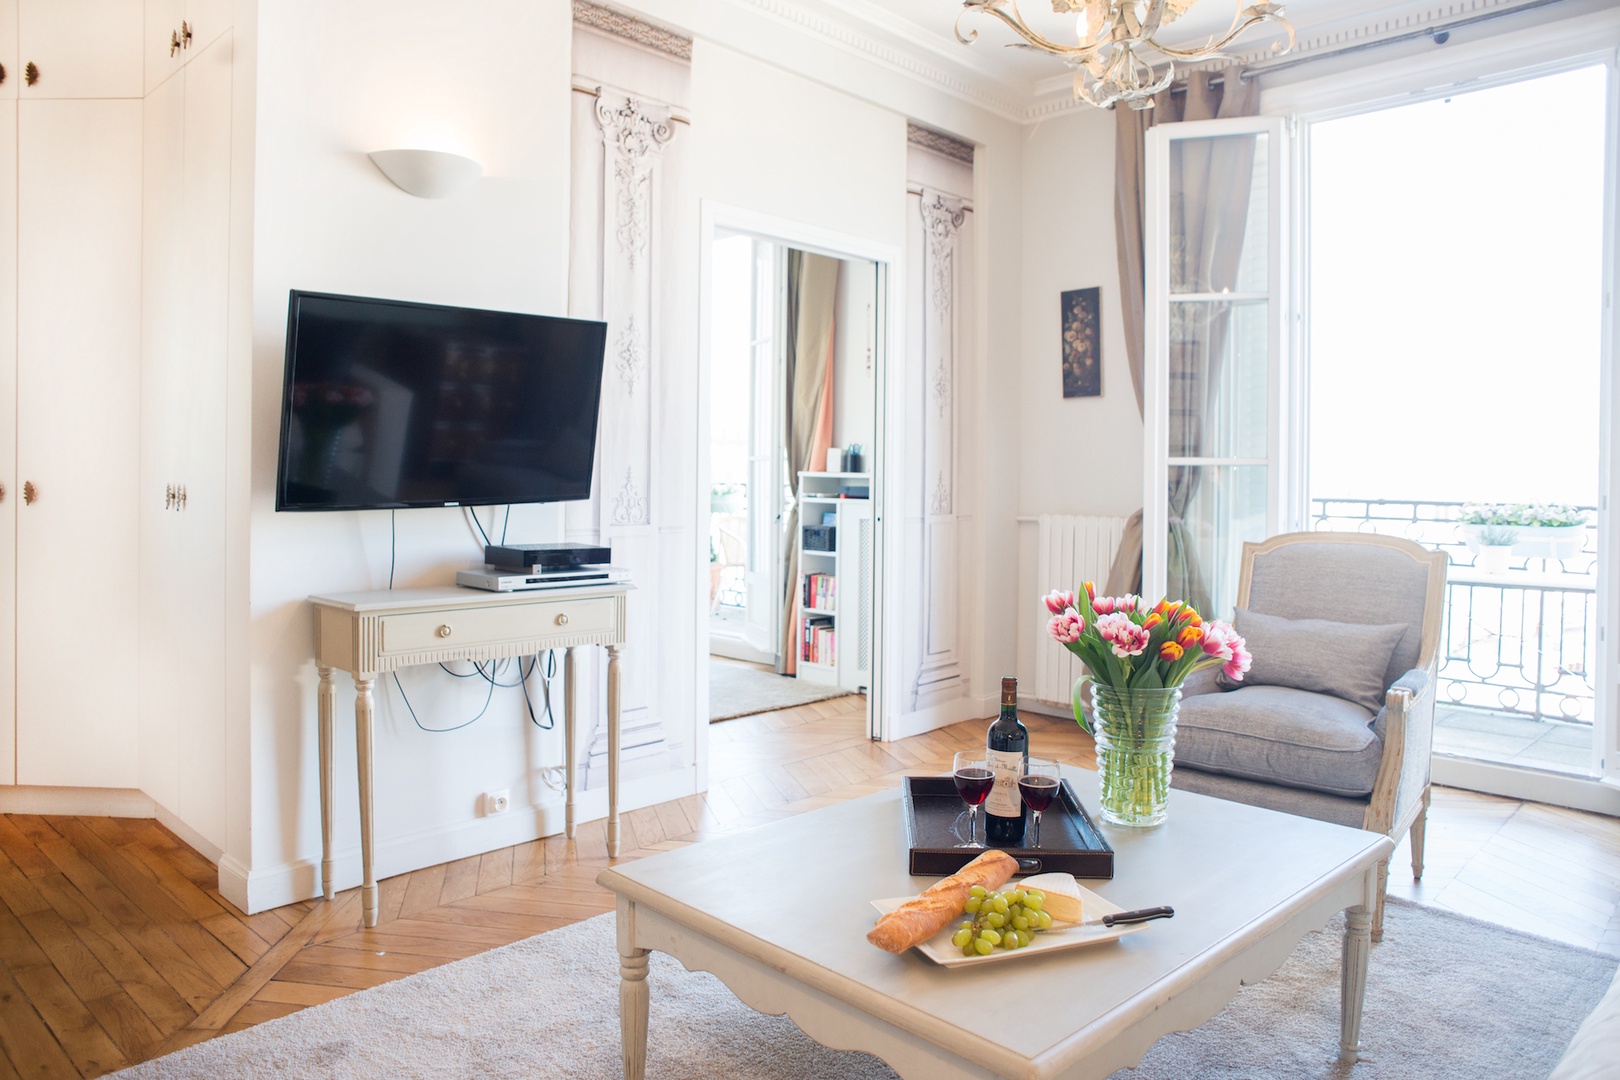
(1038, 784)
(1038, 791)
(973, 778)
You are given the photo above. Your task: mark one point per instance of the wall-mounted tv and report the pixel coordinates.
(388, 405)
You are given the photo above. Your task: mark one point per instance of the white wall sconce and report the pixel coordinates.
(428, 174)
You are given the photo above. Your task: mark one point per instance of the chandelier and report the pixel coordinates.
(1112, 35)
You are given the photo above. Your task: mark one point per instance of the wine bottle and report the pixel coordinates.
(1007, 748)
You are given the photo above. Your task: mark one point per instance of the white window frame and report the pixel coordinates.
(1155, 387)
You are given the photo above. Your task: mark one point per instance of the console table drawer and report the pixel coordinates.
(424, 630)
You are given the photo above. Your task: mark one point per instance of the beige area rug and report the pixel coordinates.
(740, 690)
(1447, 997)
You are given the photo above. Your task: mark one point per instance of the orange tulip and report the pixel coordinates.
(1151, 621)
(1189, 636)
(1091, 591)
(1192, 618)
(1171, 652)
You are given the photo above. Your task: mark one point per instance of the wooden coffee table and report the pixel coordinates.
(779, 914)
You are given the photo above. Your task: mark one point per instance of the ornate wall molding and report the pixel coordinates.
(632, 29)
(633, 132)
(630, 355)
(940, 143)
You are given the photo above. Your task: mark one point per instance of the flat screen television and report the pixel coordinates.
(387, 405)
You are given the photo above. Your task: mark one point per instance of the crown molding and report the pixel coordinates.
(966, 83)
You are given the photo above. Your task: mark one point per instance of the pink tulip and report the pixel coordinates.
(1126, 638)
(1066, 627)
(1128, 602)
(1103, 605)
(1059, 602)
(1240, 662)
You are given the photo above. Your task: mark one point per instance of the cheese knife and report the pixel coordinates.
(1118, 918)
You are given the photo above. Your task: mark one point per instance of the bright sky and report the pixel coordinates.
(1456, 296)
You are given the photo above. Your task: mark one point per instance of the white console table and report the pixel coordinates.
(367, 633)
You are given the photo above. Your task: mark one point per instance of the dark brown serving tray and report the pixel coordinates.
(936, 821)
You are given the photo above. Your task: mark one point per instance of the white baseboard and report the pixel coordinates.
(260, 888)
(1535, 785)
(942, 715)
(75, 801)
(204, 847)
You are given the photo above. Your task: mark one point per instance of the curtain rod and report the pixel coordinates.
(1438, 33)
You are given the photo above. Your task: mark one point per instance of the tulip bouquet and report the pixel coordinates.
(1138, 657)
(1128, 645)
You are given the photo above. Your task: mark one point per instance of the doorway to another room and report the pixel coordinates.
(792, 416)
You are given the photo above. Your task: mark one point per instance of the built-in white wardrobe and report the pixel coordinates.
(115, 132)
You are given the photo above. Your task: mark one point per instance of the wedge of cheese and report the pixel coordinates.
(1062, 894)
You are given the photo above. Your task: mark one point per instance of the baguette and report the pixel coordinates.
(921, 917)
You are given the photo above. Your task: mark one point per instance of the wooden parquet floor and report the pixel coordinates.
(116, 946)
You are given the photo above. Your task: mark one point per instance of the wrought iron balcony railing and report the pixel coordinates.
(1519, 638)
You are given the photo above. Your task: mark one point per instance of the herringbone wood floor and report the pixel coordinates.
(116, 946)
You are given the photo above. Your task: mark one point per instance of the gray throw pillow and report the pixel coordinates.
(1346, 660)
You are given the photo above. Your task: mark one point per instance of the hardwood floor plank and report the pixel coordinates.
(205, 950)
(529, 862)
(156, 996)
(21, 850)
(26, 1040)
(59, 1004)
(243, 990)
(495, 870)
(300, 993)
(423, 891)
(401, 963)
(460, 880)
(194, 985)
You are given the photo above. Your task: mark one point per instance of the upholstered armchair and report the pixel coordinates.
(1335, 720)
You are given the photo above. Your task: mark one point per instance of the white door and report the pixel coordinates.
(78, 377)
(10, 485)
(82, 48)
(1215, 371)
(762, 627)
(202, 466)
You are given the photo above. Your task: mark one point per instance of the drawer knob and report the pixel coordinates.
(562, 620)
(444, 631)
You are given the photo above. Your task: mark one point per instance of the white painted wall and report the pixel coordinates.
(804, 133)
(334, 83)
(1076, 455)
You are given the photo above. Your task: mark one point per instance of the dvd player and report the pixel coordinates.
(502, 579)
(535, 557)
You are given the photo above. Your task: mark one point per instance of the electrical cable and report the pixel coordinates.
(438, 731)
(393, 548)
(479, 524)
(505, 521)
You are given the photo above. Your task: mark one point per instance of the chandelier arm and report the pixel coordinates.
(997, 8)
(1215, 46)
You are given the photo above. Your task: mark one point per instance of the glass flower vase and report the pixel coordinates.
(1135, 731)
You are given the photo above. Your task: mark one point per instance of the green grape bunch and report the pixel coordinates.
(1007, 920)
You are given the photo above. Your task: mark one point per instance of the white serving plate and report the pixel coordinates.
(940, 950)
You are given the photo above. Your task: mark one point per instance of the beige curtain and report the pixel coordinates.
(1212, 199)
(812, 284)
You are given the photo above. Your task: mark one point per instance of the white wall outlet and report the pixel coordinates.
(497, 802)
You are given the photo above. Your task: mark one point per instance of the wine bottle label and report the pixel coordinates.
(1004, 800)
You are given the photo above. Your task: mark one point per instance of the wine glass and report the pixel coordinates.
(1038, 780)
(973, 777)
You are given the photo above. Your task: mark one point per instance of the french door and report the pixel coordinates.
(1216, 371)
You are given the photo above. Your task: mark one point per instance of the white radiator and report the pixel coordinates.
(1068, 551)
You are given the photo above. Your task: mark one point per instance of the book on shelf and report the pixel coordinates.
(820, 591)
(818, 643)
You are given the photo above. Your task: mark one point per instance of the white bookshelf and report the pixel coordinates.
(849, 614)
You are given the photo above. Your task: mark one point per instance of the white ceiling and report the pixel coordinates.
(925, 29)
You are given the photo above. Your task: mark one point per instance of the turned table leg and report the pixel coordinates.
(363, 753)
(1353, 980)
(633, 994)
(570, 679)
(326, 700)
(615, 652)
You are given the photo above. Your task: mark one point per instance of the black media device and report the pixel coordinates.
(388, 405)
(546, 556)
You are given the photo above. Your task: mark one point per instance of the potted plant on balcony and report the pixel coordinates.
(1531, 530)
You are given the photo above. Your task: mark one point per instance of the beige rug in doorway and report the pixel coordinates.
(742, 690)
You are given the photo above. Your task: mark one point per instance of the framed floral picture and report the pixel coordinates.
(1082, 346)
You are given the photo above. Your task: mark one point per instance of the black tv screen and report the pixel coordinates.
(389, 404)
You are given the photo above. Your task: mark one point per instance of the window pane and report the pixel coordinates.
(1213, 510)
(1219, 214)
(1219, 374)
